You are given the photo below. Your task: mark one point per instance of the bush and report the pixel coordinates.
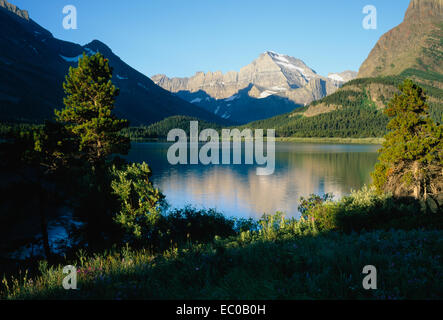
(367, 210)
(192, 225)
(141, 203)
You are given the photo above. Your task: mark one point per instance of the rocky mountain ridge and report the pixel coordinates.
(14, 9)
(283, 80)
(415, 43)
(33, 65)
(412, 50)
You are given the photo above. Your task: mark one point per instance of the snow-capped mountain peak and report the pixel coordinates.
(295, 70)
(344, 76)
(273, 82)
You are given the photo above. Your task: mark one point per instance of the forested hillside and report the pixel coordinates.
(161, 128)
(356, 109)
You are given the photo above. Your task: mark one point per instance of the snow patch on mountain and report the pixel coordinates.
(235, 96)
(141, 85)
(266, 94)
(71, 59)
(196, 100)
(75, 59)
(336, 77)
(90, 52)
(226, 115)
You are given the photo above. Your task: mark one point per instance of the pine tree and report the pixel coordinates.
(89, 101)
(410, 162)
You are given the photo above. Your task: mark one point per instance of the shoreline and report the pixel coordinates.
(334, 140)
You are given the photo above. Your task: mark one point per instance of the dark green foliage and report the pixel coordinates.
(294, 265)
(141, 203)
(89, 101)
(357, 117)
(192, 225)
(39, 157)
(68, 159)
(386, 214)
(367, 210)
(346, 98)
(345, 123)
(314, 200)
(161, 129)
(12, 130)
(410, 162)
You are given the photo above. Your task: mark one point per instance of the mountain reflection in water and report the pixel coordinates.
(235, 190)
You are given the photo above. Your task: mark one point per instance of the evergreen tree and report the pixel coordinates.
(89, 101)
(410, 162)
(39, 156)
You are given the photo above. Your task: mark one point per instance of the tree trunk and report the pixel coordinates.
(417, 180)
(44, 225)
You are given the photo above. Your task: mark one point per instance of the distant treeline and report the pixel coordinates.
(11, 129)
(345, 123)
(160, 129)
(358, 117)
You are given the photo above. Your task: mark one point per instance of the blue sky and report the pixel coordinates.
(179, 37)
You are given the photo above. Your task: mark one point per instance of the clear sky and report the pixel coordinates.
(180, 37)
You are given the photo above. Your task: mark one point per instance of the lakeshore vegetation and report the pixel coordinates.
(130, 247)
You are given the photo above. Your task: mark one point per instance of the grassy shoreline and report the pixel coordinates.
(318, 257)
(332, 140)
(335, 140)
(289, 262)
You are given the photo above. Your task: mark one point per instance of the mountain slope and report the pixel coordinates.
(355, 110)
(272, 84)
(33, 65)
(415, 43)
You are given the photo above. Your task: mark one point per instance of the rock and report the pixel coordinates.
(271, 74)
(415, 43)
(14, 9)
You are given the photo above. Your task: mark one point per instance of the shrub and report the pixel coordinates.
(141, 203)
(368, 210)
(192, 225)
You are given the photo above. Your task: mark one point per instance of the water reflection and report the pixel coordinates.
(236, 190)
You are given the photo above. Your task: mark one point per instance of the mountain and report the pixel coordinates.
(416, 43)
(33, 65)
(344, 76)
(355, 110)
(272, 84)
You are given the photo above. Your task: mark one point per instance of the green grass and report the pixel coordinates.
(320, 256)
(285, 260)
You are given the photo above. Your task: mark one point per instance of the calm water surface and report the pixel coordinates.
(235, 190)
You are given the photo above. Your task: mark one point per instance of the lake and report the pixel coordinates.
(236, 191)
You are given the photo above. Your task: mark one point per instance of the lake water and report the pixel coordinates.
(235, 190)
